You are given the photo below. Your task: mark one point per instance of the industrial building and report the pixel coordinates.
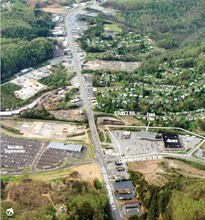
(68, 147)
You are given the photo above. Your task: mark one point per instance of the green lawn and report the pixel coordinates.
(112, 27)
(91, 56)
(203, 146)
(102, 137)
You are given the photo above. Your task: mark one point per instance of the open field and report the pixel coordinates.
(159, 172)
(55, 9)
(112, 65)
(48, 6)
(47, 130)
(203, 146)
(85, 172)
(44, 196)
(131, 120)
(112, 27)
(29, 82)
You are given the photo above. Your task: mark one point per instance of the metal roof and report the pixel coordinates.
(146, 135)
(68, 147)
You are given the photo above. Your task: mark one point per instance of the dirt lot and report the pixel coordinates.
(53, 6)
(69, 115)
(89, 171)
(85, 172)
(55, 9)
(46, 130)
(130, 120)
(112, 65)
(155, 171)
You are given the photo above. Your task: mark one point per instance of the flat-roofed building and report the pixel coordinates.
(68, 147)
(173, 141)
(126, 135)
(146, 135)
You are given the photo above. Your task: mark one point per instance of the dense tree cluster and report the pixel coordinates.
(37, 114)
(23, 43)
(82, 200)
(8, 99)
(23, 54)
(59, 77)
(171, 200)
(169, 21)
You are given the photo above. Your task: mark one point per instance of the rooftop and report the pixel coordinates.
(146, 135)
(172, 141)
(131, 203)
(68, 147)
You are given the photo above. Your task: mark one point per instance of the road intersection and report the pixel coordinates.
(70, 20)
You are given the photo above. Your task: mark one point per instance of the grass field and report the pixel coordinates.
(108, 140)
(112, 27)
(203, 146)
(102, 137)
(86, 172)
(91, 56)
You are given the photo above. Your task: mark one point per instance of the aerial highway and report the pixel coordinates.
(70, 24)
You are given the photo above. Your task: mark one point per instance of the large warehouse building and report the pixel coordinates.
(68, 147)
(172, 142)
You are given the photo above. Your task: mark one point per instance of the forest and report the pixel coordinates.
(23, 42)
(79, 199)
(108, 41)
(181, 198)
(170, 22)
(170, 79)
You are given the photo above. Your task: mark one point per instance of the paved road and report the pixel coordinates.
(69, 165)
(70, 24)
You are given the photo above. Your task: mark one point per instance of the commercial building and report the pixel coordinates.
(146, 135)
(126, 135)
(68, 147)
(172, 141)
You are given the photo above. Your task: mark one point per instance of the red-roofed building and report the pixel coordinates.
(135, 203)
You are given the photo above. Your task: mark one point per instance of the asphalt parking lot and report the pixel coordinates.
(190, 141)
(133, 145)
(115, 174)
(53, 158)
(18, 154)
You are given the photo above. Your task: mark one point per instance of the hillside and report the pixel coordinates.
(57, 199)
(169, 189)
(170, 22)
(23, 42)
(168, 39)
